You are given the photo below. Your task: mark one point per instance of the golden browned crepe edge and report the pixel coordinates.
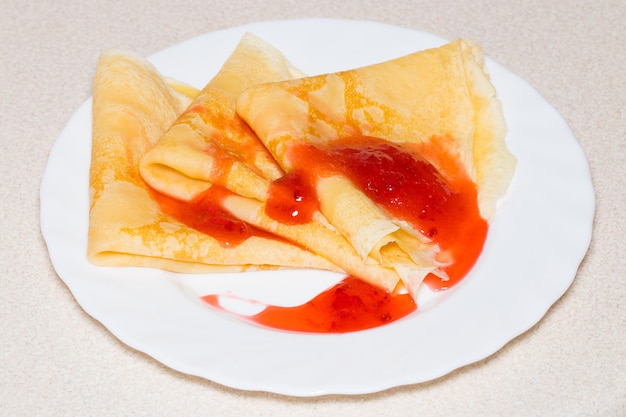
(496, 164)
(126, 227)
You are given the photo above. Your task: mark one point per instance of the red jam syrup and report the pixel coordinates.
(400, 181)
(292, 199)
(349, 306)
(206, 214)
(406, 185)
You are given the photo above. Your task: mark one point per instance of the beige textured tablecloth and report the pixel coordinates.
(55, 360)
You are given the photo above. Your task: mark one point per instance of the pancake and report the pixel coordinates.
(210, 154)
(407, 157)
(133, 106)
(209, 143)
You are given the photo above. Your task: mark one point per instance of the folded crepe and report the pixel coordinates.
(407, 157)
(209, 143)
(210, 154)
(133, 106)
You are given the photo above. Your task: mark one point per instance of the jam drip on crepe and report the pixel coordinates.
(408, 187)
(396, 178)
(292, 199)
(206, 214)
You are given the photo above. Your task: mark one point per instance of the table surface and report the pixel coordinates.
(56, 360)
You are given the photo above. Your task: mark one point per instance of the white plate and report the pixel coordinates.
(532, 253)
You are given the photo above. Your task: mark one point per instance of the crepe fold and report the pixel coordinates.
(437, 104)
(210, 153)
(209, 143)
(133, 106)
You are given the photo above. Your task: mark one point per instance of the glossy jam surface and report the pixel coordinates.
(349, 306)
(399, 180)
(407, 186)
(206, 214)
(292, 199)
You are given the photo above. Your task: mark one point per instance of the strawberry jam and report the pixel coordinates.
(292, 199)
(402, 181)
(408, 187)
(206, 214)
(349, 306)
